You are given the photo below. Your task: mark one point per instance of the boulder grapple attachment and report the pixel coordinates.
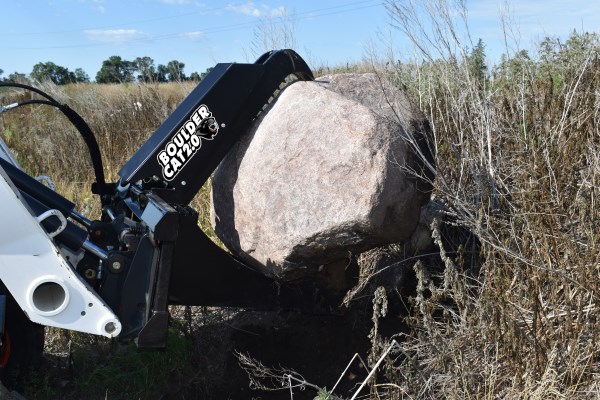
(116, 276)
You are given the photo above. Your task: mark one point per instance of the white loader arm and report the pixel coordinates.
(40, 279)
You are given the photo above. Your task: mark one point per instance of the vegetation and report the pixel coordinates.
(518, 167)
(59, 75)
(117, 70)
(121, 116)
(99, 368)
(113, 70)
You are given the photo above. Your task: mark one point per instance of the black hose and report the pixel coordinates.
(34, 101)
(79, 123)
(28, 87)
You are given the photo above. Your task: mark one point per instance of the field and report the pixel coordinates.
(518, 168)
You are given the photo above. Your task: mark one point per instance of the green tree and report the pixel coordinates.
(80, 76)
(549, 49)
(115, 70)
(175, 71)
(511, 71)
(1, 71)
(18, 78)
(194, 76)
(578, 47)
(161, 73)
(145, 67)
(208, 71)
(574, 51)
(49, 71)
(476, 62)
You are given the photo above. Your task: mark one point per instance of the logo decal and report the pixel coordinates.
(185, 143)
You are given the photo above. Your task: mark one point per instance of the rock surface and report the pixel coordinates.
(6, 394)
(325, 172)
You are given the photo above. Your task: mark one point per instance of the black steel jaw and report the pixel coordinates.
(190, 144)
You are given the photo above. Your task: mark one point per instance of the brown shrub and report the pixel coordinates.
(518, 166)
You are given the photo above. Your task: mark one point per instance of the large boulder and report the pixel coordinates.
(335, 166)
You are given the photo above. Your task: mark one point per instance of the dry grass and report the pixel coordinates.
(121, 116)
(518, 166)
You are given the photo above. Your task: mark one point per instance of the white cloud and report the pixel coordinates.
(246, 9)
(253, 10)
(113, 35)
(277, 12)
(195, 35)
(193, 3)
(175, 1)
(94, 5)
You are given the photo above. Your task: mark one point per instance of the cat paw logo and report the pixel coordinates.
(185, 143)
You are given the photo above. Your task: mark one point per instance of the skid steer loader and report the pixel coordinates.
(116, 276)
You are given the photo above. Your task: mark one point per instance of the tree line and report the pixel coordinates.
(114, 70)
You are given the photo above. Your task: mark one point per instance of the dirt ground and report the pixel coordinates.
(317, 348)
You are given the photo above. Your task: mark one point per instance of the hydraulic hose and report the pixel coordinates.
(77, 121)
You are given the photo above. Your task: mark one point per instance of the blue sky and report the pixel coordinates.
(83, 33)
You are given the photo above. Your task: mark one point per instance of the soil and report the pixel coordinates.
(317, 348)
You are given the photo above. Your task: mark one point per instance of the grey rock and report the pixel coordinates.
(422, 238)
(9, 395)
(329, 169)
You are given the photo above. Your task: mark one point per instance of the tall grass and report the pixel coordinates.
(122, 117)
(518, 165)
